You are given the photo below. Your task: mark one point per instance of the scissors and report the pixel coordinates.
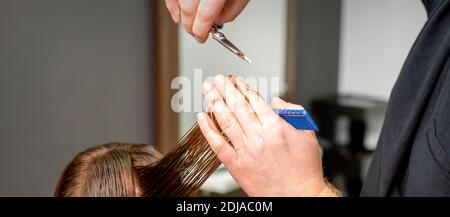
(222, 39)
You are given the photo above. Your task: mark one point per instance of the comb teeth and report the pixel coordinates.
(299, 119)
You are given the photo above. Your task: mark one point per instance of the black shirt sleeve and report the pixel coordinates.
(431, 5)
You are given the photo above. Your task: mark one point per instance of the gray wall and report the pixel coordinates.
(318, 49)
(376, 37)
(73, 74)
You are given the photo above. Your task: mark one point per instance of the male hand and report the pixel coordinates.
(265, 154)
(198, 16)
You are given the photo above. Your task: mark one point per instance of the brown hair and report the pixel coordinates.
(183, 170)
(135, 170)
(129, 170)
(109, 170)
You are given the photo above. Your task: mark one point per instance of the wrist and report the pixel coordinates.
(317, 188)
(329, 191)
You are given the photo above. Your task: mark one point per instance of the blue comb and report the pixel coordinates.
(299, 119)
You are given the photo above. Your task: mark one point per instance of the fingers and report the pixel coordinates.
(224, 117)
(231, 10)
(223, 150)
(198, 16)
(278, 103)
(238, 105)
(207, 12)
(174, 10)
(259, 105)
(188, 10)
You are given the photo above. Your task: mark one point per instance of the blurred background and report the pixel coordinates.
(79, 73)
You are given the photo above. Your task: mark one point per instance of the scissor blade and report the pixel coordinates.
(220, 37)
(245, 58)
(230, 46)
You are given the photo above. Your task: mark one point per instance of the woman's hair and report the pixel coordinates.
(136, 170)
(118, 170)
(110, 170)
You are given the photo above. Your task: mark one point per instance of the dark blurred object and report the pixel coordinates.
(346, 159)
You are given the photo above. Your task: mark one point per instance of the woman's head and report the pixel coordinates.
(110, 170)
(127, 170)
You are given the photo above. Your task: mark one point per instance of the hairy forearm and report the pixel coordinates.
(330, 191)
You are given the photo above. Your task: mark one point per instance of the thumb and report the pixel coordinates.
(278, 103)
(231, 10)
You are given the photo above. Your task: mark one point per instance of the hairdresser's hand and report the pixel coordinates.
(197, 16)
(266, 155)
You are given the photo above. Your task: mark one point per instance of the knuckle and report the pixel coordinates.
(256, 151)
(206, 15)
(187, 8)
(270, 118)
(229, 93)
(232, 100)
(220, 151)
(229, 125)
(276, 129)
(171, 5)
(241, 105)
(212, 96)
(275, 137)
(187, 13)
(279, 135)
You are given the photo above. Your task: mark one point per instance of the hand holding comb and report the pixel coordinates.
(192, 161)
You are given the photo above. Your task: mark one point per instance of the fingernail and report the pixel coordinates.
(207, 87)
(200, 116)
(220, 79)
(198, 39)
(188, 31)
(174, 17)
(177, 16)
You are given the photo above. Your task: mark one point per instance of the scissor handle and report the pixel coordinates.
(218, 26)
